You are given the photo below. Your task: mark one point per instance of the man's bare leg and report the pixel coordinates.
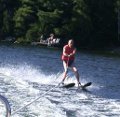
(76, 75)
(65, 71)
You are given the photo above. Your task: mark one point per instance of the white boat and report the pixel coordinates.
(55, 42)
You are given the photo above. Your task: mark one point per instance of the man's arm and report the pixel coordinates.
(64, 53)
(73, 53)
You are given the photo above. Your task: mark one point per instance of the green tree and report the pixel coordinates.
(24, 17)
(32, 33)
(7, 9)
(92, 23)
(47, 20)
(80, 23)
(22, 20)
(1, 17)
(103, 21)
(117, 10)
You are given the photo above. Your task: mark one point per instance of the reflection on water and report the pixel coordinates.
(27, 73)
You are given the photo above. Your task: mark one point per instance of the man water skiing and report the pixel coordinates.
(68, 58)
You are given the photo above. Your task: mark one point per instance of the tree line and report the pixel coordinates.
(91, 23)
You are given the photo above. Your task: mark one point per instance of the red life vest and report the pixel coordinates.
(68, 51)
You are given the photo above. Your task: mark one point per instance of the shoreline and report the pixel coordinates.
(108, 52)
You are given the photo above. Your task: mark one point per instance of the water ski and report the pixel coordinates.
(68, 85)
(86, 85)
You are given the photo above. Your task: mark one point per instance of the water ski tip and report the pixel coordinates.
(86, 85)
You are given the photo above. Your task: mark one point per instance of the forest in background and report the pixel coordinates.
(91, 23)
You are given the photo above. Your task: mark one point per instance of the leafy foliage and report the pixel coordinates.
(91, 23)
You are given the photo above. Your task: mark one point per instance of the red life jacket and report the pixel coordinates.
(68, 51)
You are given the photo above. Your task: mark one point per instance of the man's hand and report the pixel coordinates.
(70, 55)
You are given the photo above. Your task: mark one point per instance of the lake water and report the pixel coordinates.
(28, 73)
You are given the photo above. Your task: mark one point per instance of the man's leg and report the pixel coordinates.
(65, 71)
(74, 69)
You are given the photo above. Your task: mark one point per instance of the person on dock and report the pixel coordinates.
(51, 39)
(68, 57)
